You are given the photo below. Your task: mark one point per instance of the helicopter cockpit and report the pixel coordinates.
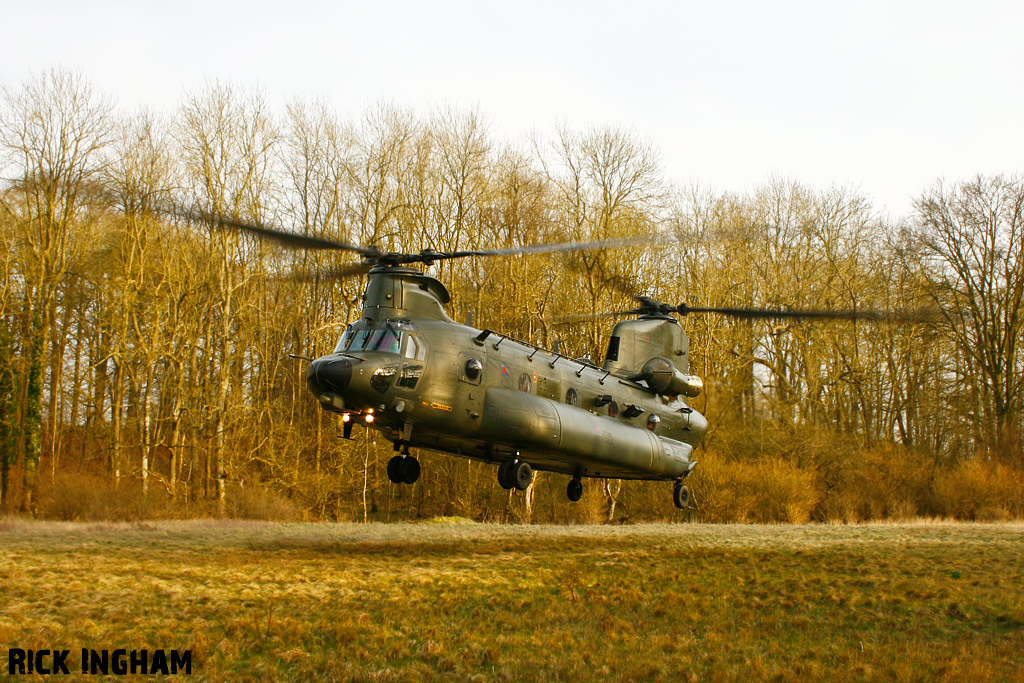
(389, 336)
(394, 338)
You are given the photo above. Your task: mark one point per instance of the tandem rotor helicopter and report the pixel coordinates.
(408, 370)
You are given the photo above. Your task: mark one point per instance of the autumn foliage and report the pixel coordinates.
(147, 362)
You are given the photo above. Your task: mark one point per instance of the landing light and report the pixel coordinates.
(346, 417)
(369, 418)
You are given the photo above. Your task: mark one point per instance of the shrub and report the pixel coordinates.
(80, 496)
(980, 489)
(762, 491)
(883, 483)
(259, 502)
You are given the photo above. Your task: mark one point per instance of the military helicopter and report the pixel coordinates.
(408, 370)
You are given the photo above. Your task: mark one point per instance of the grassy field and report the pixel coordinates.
(464, 601)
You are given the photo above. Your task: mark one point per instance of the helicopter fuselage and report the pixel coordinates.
(405, 368)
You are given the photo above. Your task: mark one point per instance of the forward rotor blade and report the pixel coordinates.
(289, 239)
(331, 274)
(613, 243)
(295, 240)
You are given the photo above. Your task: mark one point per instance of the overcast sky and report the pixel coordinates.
(884, 97)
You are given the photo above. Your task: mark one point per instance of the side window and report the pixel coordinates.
(382, 377)
(470, 368)
(571, 397)
(410, 375)
(613, 349)
(414, 347)
(525, 383)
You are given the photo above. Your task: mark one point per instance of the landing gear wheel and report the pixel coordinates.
(410, 469)
(681, 496)
(504, 476)
(395, 469)
(522, 474)
(574, 491)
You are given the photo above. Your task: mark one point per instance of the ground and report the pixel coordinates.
(459, 601)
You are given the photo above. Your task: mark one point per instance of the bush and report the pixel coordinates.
(761, 491)
(980, 489)
(886, 483)
(263, 503)
(78, 496)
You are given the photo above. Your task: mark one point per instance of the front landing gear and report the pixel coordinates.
(515, 475)
(680, 495)
(504, 481)
(403, 469)
(574, 491)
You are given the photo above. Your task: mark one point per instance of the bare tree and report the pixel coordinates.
(227, 143)
(53, 131)
(974, 234)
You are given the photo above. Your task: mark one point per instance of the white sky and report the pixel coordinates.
(884, 97)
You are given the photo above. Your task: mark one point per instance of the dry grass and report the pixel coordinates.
(419, 601)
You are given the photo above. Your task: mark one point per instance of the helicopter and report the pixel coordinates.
(408, 370)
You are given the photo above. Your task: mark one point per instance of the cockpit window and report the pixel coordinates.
(346, 338)
(391, 336)
(386, 340)
(359, 340)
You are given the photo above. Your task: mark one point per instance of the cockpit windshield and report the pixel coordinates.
(390, 336)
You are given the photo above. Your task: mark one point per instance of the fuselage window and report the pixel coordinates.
(613, 349)
(410, 375)
(382, 377)
(525, 383)
(571, 397)
(414, 347)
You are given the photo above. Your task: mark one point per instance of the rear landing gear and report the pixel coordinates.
(574, 491)
(515, 475)
(403, 469)
(680, 495)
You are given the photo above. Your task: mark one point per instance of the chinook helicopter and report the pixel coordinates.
(425, 381)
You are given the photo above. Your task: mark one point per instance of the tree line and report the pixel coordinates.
(148, 362)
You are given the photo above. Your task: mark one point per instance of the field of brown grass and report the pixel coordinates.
(463, 601)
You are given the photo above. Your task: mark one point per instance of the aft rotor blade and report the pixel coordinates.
(768, 313)
(764, 314)
(582, 317)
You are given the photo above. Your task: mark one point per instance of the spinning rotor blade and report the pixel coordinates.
(780, 314)
(331, 273)
(582, 317)
(289, 239)
(612, 243)
(651, 307)
(376, 256)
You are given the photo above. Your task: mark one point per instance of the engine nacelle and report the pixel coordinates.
(663, 378)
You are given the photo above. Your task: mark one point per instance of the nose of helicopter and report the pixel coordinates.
(329, 375)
